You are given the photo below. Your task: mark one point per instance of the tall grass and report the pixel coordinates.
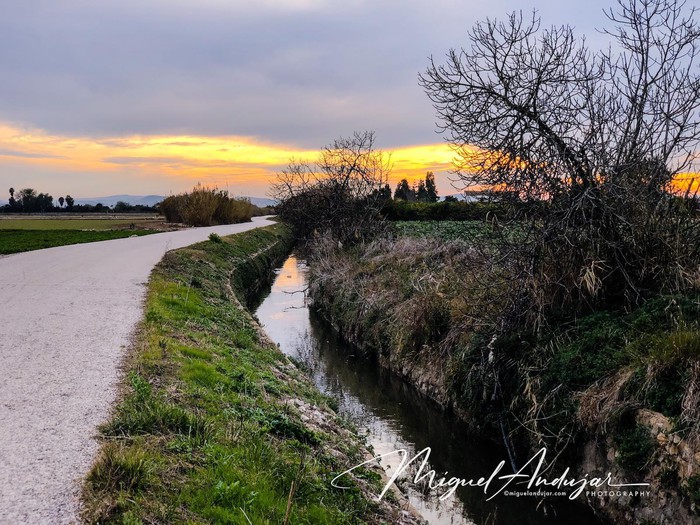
(205, 206)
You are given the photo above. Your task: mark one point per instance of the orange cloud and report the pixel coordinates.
(412, 162)
(242, 161)
(175, 163)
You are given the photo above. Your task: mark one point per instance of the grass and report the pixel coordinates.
(70, 224)
(448, 231)
(210, 428)
(444, 230)
(15, 241)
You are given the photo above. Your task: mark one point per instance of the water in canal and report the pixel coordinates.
(394, 416)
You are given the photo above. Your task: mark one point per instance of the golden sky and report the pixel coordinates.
(164, 164)
(140, 164)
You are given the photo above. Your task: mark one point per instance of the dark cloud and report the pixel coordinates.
(147, 160)
(293, 71)
(4, 152)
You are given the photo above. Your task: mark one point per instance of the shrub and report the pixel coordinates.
(635, 449)
(205, 206)
(398, 210)
(340, 194)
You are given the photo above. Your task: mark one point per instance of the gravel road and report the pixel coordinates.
(67, 316)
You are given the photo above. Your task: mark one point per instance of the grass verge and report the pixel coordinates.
(16, 241)
(215, 425)
(78, 223)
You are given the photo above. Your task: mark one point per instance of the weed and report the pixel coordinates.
(121, 468)
(635, 448)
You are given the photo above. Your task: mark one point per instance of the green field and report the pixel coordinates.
(15, 241)
(70, 224)
(445, 230)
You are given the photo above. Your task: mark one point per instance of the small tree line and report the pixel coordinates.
(422, 191)
(346, 193)
(28, 200)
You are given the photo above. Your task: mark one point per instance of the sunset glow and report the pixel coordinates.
(242, 164)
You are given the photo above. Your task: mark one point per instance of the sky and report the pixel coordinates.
(154, 96)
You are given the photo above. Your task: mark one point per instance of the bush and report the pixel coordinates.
(635, 449)
(205, 207)
(340, 194)
(398, 210)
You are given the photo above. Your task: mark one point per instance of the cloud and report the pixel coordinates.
(4, 152)
(159, 164)
(144, 160)
(294, 71)
(124, 96)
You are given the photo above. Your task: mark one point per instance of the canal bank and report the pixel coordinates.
(393, 415)
(611, 393)
(214, 424)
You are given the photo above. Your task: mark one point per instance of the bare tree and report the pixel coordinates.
(585, 146)
(341, 193)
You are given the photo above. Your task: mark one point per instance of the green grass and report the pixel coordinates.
(70, 224)
(15, 241)
(445, 230)
(454, 230)
(206, 431)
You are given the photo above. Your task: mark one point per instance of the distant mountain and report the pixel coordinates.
(262, 201)
(111, 200)
(150, 200)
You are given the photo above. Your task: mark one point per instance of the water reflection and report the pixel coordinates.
(394, 416)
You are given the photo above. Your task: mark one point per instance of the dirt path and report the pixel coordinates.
(66, 317)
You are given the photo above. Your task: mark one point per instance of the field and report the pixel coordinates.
(445, 230)
(78, 223)
(15, 241)
(22, 234)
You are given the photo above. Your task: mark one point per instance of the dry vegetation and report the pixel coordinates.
(420, 304)
(206, 207)
(339, 194)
